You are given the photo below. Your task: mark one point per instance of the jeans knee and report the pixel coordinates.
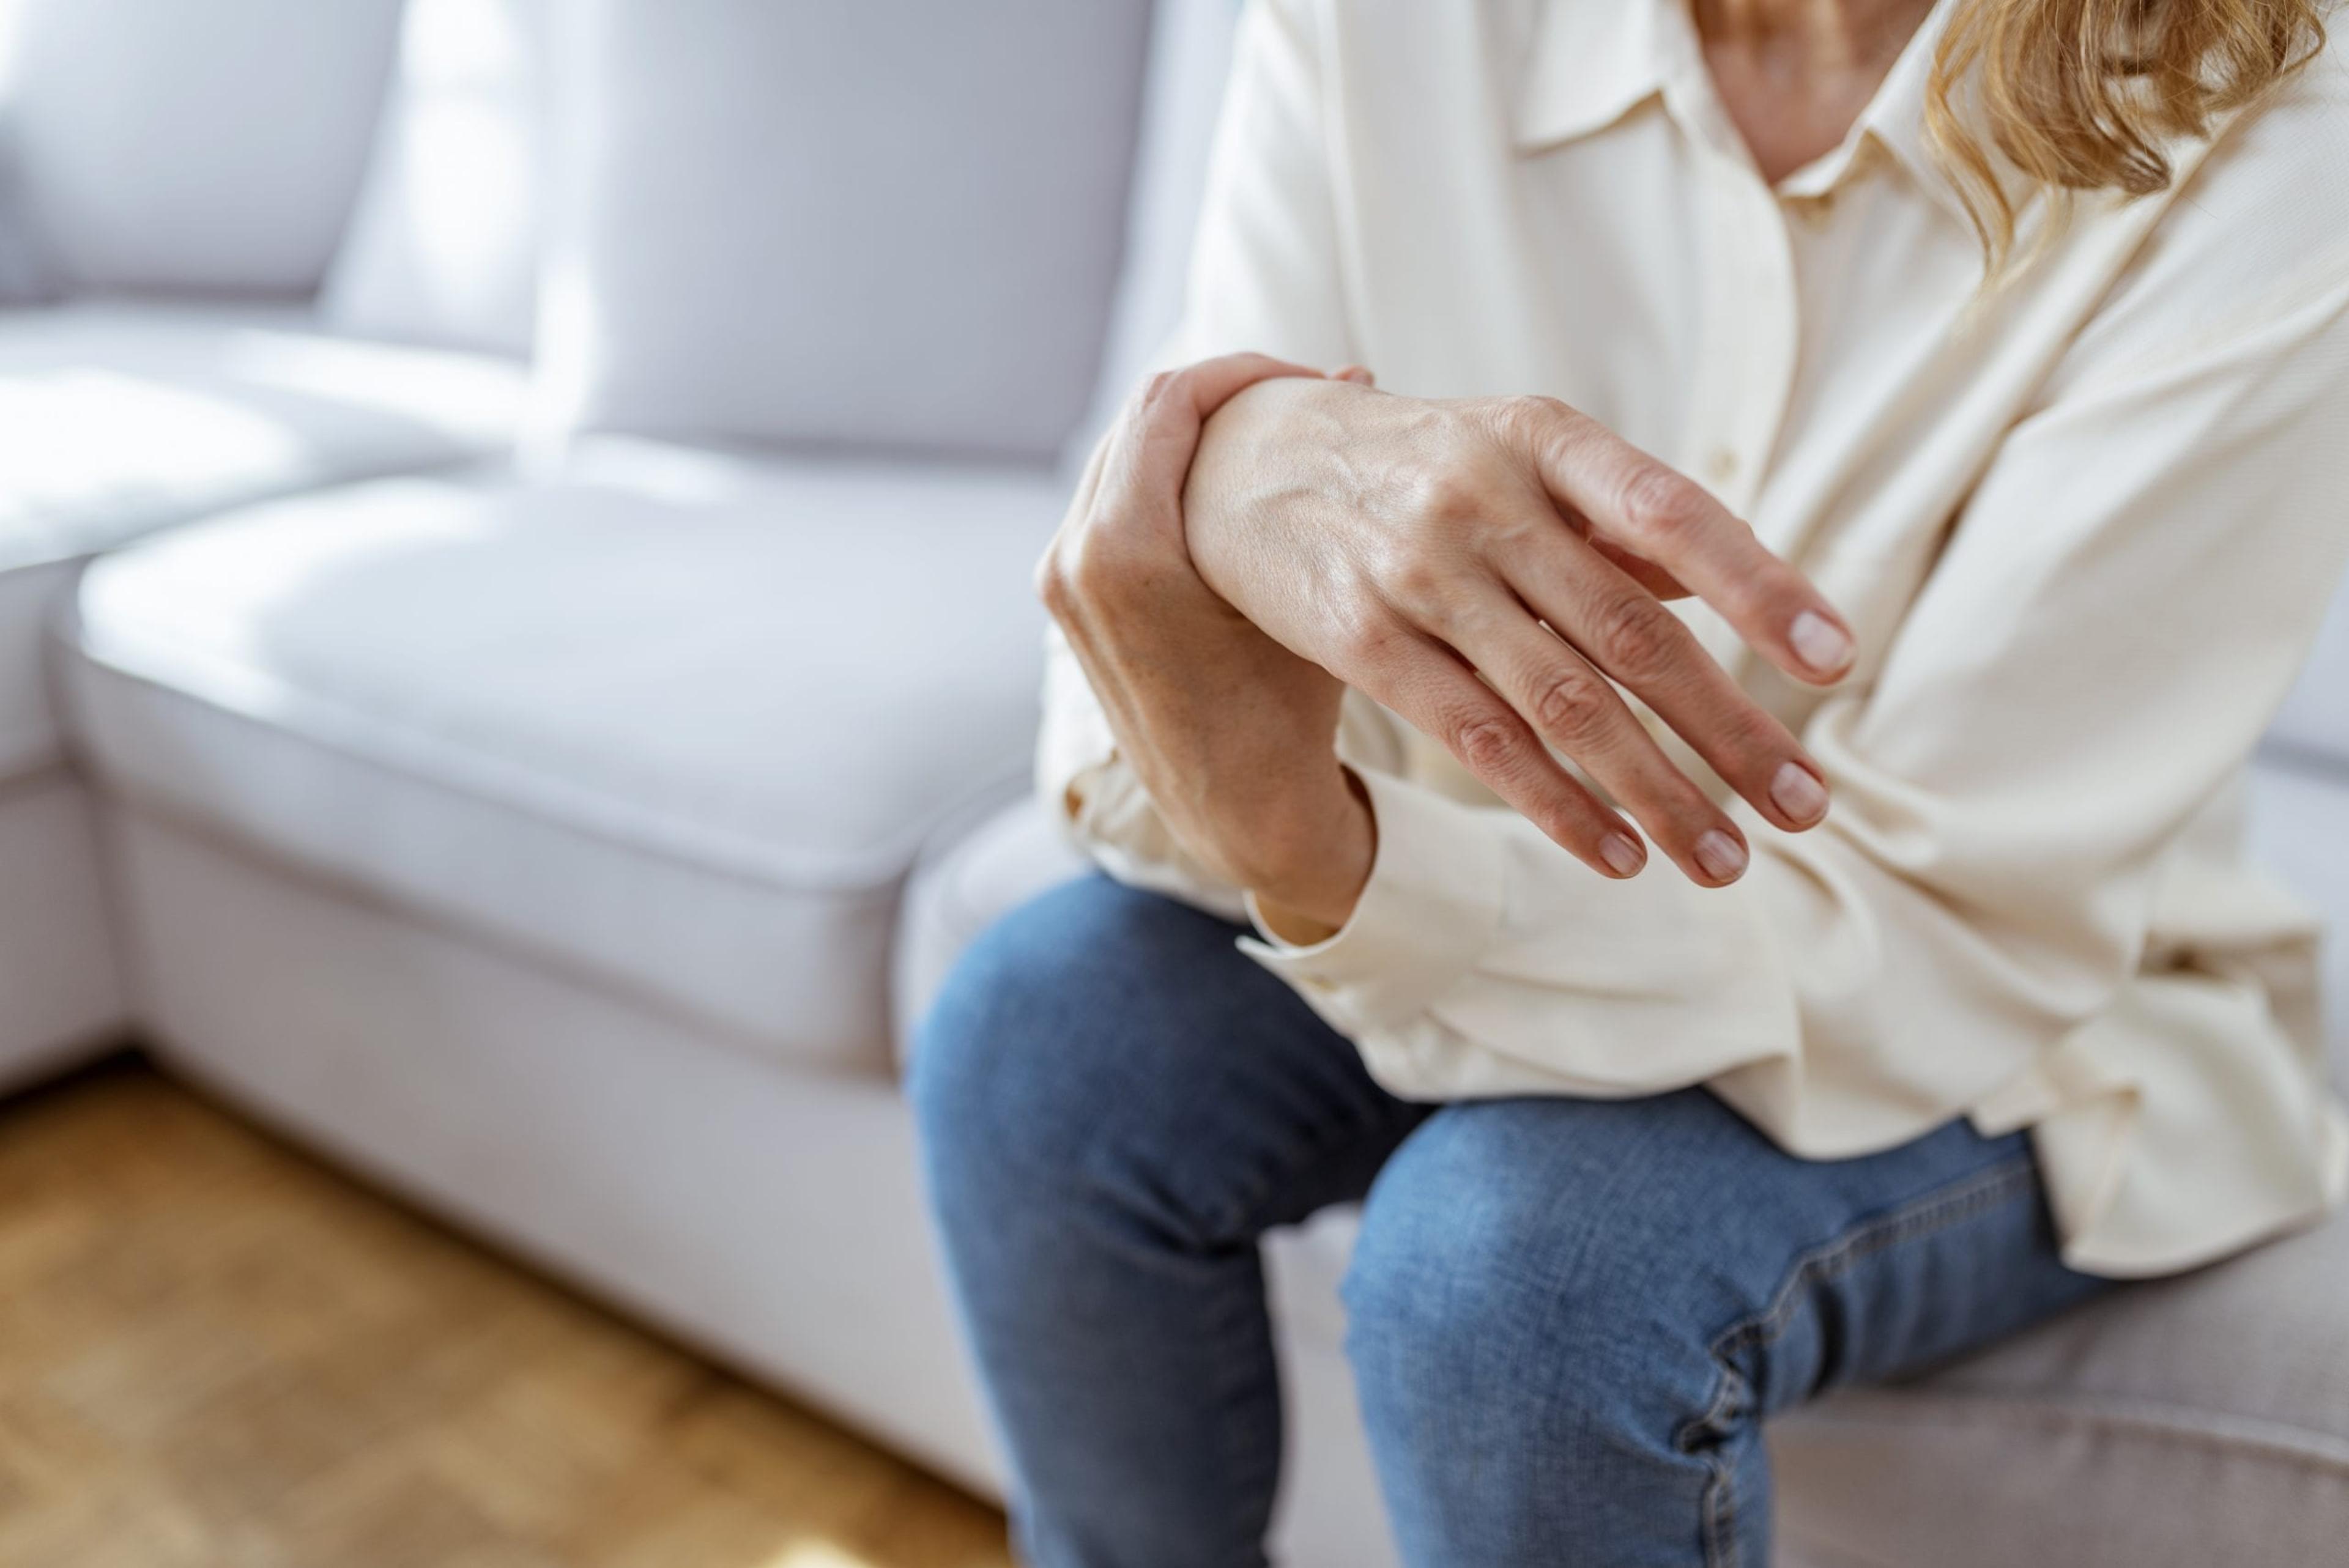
(1438, 1310)
(1059, 1042)
(1483, 1301)
(978, 1081)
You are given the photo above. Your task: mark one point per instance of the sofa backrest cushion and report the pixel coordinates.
(444, 246)
(2315, 718)
(26, 275)
(210, 147)
(876, 223)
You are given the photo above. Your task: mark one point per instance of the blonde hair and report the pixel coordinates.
(2081, 95)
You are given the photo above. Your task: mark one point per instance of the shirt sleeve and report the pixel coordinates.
(1267, 272)
(2118, 612)
(1265, 277)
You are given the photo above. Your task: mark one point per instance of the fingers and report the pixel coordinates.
(1170, 407)
(1639, 504)
(1196, 391)
(1157, 434)
(1572, 706)
(1621, 628)
(1428, 686)
(1142, 462)
(1640, 570)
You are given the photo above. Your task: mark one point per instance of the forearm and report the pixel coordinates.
(1164, 695)
(1085, 781)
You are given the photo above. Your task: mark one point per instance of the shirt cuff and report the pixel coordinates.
(1431, 909)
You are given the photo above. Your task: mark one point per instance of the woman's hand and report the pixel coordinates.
(1233, 735)
(1408, 547)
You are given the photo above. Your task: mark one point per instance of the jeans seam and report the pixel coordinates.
(1935, 1212)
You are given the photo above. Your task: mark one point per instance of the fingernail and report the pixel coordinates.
(1798, 792)
(1723, 856)
(1621, 855)
(1819, 643)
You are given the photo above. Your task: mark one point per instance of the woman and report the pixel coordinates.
(1983, 371)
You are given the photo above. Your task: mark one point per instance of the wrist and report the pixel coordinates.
(1236, 455)
(1308, 890)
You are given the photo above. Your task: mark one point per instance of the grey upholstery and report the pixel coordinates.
(860, 222)
(2313, 728)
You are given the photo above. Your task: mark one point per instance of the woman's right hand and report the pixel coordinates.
(1408, 546)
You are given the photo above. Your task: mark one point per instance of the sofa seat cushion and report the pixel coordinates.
(678, 723)
(2203, 1418)
(118, 419)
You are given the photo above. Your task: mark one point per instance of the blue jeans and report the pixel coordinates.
(1567, 1318)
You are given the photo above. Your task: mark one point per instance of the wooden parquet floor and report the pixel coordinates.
(216, 1353)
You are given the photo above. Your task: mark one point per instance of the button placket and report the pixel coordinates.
(1749, 341)
(1770, 309)
(1746, 366)
(1708, 443)
(1749, 351)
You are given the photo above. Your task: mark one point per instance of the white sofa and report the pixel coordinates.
(570, 841)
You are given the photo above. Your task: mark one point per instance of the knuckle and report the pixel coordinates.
(1768, 586)
(1660, 505)
(1562, 824)
(1363, 645)
(1449, 496)
(1160, 395)
(1571, 707)
(1096, 570)
(1537, 418)
(1756, 741)
(1564, 812)
(1160, 385)
(1051, 580)
(1638, 638)
(1414, 582)
(1555, 432)
(1485, 742)
(1359, 649)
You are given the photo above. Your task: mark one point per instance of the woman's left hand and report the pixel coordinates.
(1233, 735)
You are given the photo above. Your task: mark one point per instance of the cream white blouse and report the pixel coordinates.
(2085, 527)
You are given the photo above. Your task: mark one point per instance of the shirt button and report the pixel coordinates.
(1721, 465)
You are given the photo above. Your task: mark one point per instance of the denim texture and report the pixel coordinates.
(1567, 1319)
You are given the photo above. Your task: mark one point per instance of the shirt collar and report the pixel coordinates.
(1895, 120)
(1592, 62)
